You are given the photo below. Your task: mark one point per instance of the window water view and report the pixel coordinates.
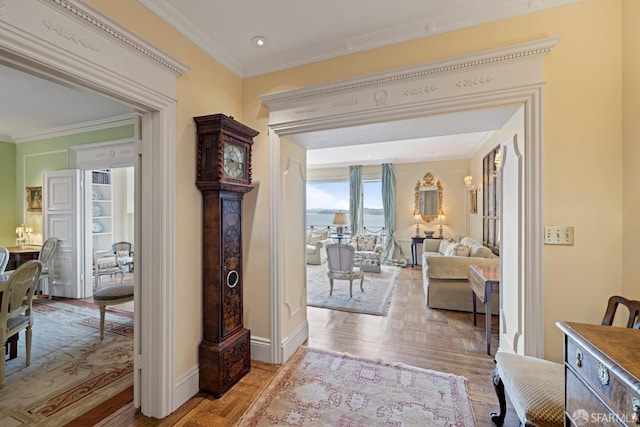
(324, 199)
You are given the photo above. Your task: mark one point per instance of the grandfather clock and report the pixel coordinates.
(223, 176)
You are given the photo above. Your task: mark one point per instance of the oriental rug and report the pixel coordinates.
(378, 288)
(71, 370)
(323, 388)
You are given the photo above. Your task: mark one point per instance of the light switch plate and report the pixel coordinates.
(558, 235)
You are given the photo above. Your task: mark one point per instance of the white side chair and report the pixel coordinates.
(341, 266)
(4, 259)
(46, 255)
(15, 309)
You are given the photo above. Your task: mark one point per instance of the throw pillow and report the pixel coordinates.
(480, 251)
(315, 238)
(450, 250)
(444, 244)
(462, 250)
(367, 242)
(456, 249)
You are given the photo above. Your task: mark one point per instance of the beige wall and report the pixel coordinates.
(582, 150)
(631, 146)
(208, 88)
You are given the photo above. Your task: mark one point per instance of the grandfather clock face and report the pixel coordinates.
(234, 161)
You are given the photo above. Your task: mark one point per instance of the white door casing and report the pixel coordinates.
(505, 76)
(68, 41)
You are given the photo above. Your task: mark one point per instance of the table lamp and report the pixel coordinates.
(440, 222)
(417, 220)
(339, 220)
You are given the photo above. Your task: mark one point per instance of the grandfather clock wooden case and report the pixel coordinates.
(223, 176)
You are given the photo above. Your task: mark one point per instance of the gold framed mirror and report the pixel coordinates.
(428, 198)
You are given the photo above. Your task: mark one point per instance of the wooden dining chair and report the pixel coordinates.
(15, 308)
(632, 305)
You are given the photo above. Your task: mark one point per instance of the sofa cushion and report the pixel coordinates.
(444, 244)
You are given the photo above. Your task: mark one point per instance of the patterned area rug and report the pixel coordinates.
(71, 370)
(375, 299)
(322, 388)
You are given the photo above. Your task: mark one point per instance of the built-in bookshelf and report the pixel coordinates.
(102, 210)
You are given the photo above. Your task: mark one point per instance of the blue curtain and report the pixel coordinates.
(355, 199)
(392, 253)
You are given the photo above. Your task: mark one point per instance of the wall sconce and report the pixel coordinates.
(340, 220)
(497, 162)
(473, 194)
(468, 182)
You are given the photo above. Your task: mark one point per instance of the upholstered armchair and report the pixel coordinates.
(368, 252)
(316, 244)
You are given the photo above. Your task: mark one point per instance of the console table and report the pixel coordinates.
(602, 371)
(19, 255)
(414, 249)
(484, 281)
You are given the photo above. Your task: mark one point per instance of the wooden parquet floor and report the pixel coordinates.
(433, 339)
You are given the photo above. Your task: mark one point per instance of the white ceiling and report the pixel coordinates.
(299, 32)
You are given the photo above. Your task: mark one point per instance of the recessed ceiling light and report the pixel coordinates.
(260, 41)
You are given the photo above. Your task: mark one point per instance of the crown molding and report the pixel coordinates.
(178, 21)
(76, 128)
(463, 18)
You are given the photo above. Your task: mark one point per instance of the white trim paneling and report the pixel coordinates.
(67, 41)
(74, 129)
(511, 75)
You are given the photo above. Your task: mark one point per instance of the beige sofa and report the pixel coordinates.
(317, 242)
(445, 273)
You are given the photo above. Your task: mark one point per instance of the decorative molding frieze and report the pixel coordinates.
(306, 110)
(347, 102)
(100, 23)
(65, 33)
(421, 90)
(380, 97)
(516, 53)
(476, 81)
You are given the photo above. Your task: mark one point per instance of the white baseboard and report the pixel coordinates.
(261, 349)
(187, 386)
(291, 343)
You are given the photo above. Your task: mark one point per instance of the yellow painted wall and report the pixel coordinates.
(631, 146)
(208, 88)
(582, 151)
(581, 138)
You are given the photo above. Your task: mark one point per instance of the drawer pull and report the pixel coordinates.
(579, 358)
(635, 415)
(603, 374)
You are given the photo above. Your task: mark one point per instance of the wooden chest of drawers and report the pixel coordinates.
(602, 371)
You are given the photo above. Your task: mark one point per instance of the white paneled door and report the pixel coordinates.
(64, 193)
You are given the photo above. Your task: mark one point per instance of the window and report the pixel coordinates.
(372, 202)
(324, 199)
